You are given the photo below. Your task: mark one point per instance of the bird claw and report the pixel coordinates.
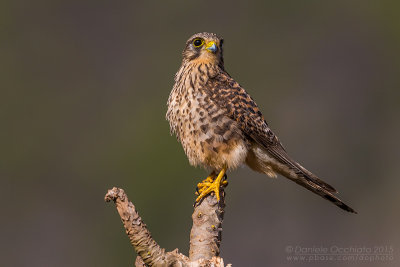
(210, 185)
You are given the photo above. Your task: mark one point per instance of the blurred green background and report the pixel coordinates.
(84, 86)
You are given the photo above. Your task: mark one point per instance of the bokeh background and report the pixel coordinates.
(84, 86)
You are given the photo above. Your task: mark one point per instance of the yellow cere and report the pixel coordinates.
(210, 44)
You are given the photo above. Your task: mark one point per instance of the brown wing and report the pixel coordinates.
(243, 109)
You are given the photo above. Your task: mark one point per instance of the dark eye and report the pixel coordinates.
(198, 42)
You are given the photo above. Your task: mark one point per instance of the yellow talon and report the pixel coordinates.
(209, 185)
(205, 183)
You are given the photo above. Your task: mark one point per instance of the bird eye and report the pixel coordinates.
(198, 42)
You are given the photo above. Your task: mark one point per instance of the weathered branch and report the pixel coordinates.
(205, 236)
(145, 246)
(206, 233)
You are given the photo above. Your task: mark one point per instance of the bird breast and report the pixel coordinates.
(209, 137)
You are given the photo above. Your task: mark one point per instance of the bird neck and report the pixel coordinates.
(192, 71)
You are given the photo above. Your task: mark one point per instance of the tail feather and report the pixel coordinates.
(312, 177)
(311, 182)
(323, 193)
(277, 160)
(305, 178)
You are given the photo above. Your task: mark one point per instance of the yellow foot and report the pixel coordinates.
(210, 185)
(205, 183)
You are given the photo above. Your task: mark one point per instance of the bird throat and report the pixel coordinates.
(206, 58)
(194, 74)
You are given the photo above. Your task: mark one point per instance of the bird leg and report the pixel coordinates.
(211, 185)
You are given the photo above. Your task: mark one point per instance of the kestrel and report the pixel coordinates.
(220, 126)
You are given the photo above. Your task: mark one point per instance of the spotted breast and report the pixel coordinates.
(209, 137)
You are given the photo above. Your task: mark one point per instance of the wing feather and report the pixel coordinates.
(242, 108)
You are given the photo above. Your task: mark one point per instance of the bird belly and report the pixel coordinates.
(208, 136)
(218, 154)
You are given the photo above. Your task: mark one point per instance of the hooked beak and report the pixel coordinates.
(211, 47)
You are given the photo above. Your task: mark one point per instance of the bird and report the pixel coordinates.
(221, 127)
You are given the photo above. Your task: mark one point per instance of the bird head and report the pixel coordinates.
(204, 48)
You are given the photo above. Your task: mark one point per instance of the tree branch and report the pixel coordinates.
(205, 237)
(206, 233)
(145, 246)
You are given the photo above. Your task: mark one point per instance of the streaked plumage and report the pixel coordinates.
(220, 125)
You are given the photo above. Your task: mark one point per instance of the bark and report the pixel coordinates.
(205, 237)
